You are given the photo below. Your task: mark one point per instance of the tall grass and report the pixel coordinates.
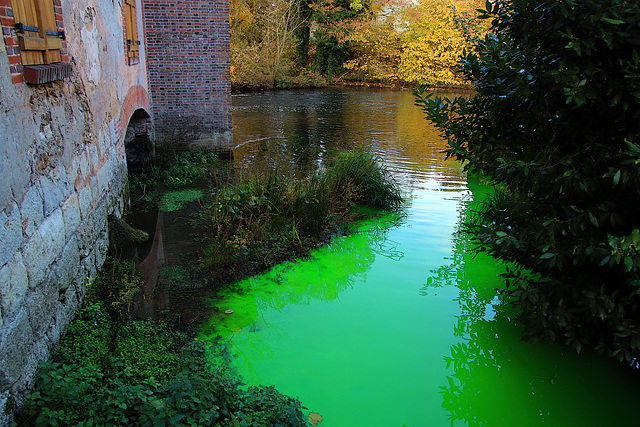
(267, 218)
(358, 178)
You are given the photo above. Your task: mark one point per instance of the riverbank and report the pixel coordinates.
(319, 82)
(111, 354)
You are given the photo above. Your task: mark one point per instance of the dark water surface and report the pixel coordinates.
(398, 324)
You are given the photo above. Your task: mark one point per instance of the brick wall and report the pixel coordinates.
(188, 60)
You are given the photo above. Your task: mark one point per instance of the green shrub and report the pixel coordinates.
(555, 125)
(269, 216)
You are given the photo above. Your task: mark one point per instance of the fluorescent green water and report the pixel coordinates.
(400, 325)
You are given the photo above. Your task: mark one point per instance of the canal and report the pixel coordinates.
(399, 323)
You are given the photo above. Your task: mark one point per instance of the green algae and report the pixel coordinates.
(388, 327)
(172, 201)
(326, 273)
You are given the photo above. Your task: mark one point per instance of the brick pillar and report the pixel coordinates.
(188, 56)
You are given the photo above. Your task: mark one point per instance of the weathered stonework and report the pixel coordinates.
(63, 170)
(63, 162)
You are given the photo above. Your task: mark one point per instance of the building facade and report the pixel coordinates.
(77, 80)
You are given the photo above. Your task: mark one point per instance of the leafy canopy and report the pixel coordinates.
(555, 125)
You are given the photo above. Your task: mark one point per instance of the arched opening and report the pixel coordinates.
(138, 139)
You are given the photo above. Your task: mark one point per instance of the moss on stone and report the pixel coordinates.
(122, 234)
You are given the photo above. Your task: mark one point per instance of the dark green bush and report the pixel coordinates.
(555, 124)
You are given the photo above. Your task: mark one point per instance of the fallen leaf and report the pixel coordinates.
(315, 418)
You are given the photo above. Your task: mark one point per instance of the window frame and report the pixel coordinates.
(35, 42)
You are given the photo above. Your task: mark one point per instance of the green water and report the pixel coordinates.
(399, 324)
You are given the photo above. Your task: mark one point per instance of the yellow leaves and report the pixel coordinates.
(315, 418)
(240, 15)
(418, 43)
(356, 5)
(432, 43)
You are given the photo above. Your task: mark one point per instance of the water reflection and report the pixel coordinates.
(324, 276)
(296, 131)
(402, 324)
(500, 380)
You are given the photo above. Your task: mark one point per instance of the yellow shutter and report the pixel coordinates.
(37, 31)
(133, 44)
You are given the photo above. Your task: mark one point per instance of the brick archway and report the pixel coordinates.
(137, 99)
(135, 127)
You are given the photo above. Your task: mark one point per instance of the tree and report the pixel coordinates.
(412, 42)
(375, 43)
(555, 125)
(263, 38)
(433, 40)
(303, 34)
(333, 20)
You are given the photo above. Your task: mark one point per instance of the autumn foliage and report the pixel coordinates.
(305, 42)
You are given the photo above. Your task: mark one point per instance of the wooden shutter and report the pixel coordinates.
(131, 25)
(37, 31)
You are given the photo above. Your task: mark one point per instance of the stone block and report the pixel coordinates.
(85, 201)
(6, 415)
(84, 164)
(88, 264)
(55, 189)
(104, 140)
(15, 344)
(15, 167)
(82, 283)
(94, 155)
(32, 209)
(14, 285)
(69, 303)
(10, 233)
(65, 268)
(40, 350)
(44, 247)
(93, 224)
(42, 304)
(101, 249)
(71, 215)
(104, 176)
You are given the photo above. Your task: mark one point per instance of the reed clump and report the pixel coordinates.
(264, 219)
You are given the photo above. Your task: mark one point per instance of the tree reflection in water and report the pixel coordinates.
(500, 380)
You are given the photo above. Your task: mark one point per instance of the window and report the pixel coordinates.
(34, 37)
(132, 44)
(38, 36)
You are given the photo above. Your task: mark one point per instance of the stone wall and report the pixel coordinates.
(189, 74)
(62, 171)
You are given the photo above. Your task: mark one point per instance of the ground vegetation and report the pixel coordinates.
(258, 221)
(114, 368)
